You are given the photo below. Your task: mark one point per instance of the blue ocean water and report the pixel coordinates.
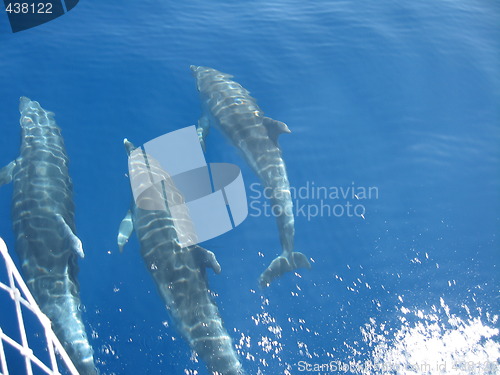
(399, 97)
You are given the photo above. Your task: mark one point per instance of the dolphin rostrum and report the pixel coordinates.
(178, 271)
(229, 106)
(43, 220)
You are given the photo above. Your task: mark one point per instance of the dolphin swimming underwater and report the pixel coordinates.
(43, 221)
(179, 272)
(229, 106)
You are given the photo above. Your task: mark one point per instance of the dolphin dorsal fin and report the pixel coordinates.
(275, 128)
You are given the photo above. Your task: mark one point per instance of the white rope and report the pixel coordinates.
(3, 360)
(21, 295)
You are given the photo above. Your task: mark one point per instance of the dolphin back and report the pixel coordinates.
(43, 221)
(179, 272)
(229, 106)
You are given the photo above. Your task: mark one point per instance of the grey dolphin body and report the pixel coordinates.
(43, 220)
(229, 106)
(180, 276)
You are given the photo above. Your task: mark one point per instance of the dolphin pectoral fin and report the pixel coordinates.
(282, 264)
(126, 228)
(7, 172)
(207, 259)
(275, 128)
(202, 130)
(74, 241)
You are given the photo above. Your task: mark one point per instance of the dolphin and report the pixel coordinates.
(179, 272)
(44, 227)
(229, 107)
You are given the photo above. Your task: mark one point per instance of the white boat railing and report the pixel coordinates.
(20, 296)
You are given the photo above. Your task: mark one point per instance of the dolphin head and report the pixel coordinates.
(35, 121)
(200, 72)
(205, 75)
(197, 71)
(194, 69)
(24, 103)
(129, 146)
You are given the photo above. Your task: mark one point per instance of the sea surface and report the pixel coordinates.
(394, 155)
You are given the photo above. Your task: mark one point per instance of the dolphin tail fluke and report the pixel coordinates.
(301, 260)
(281, 265)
